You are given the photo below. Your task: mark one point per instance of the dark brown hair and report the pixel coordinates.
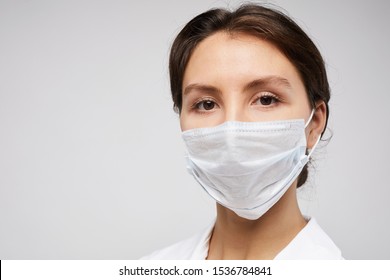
(264, 23)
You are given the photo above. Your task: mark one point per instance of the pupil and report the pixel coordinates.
(208, 105)
(266, 100)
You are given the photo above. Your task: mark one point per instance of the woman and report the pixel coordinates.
(252, 94)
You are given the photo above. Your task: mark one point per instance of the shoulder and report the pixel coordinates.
(195, 247)
(311, 243)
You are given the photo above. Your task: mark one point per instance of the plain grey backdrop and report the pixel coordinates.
(91, 156)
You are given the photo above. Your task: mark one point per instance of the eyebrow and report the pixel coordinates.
(267, 81)
(261, 82)
(200, 87)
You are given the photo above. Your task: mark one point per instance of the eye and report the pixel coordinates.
(266, 99)
(205, 105)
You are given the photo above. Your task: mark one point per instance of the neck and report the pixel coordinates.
(238, 238)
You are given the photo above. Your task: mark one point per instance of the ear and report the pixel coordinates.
(317, 124)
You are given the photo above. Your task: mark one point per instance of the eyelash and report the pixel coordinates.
(197, 103)
(275, 99)
(194, 107)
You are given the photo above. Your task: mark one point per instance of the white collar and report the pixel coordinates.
(310, 243)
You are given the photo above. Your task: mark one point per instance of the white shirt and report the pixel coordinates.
(311, 243)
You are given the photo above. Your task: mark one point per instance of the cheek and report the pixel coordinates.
(190, 120)
(183, 122)
(187, 121)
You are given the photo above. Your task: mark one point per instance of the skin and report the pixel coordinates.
(238, 77)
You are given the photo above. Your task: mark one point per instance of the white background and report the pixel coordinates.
(91, 157)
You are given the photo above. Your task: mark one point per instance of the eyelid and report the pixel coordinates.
(266, 93)
(200, 100)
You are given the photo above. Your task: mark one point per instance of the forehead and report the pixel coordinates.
(237, 56)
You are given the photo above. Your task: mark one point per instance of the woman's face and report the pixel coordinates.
(240, 78)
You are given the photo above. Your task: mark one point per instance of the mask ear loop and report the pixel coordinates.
(311, 116)
(314, 147)
(319, 137)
